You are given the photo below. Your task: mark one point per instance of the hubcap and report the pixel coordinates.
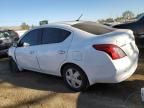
(73, 78)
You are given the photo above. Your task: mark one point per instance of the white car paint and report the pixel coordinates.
(21, 32)
(97, 65)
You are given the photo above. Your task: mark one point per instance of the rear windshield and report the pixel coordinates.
(94, 28)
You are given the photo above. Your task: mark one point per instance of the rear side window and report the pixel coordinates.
(32, 38)
(94, 28)
(54, 35)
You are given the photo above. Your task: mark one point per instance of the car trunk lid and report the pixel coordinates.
(123, 38)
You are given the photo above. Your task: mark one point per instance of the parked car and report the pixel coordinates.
(7, 37)
(137, 27)
(83, 53)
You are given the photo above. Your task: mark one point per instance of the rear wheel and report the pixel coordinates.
(13, 66)
(75, 78)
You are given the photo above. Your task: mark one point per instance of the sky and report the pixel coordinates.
(15, 12)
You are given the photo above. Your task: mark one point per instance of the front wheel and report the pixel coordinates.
(75, 78)
(13, 66)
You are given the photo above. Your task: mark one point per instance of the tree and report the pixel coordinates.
(109, 20)
(24, 26)
(119, 19)
(101, 21)
(127, 15)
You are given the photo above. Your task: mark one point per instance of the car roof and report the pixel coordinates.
(87, 26)
(71, 22)
(65, 23)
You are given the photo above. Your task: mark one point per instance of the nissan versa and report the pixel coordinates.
(82, 53)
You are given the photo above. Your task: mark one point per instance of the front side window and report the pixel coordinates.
(54, 35)
(31, 38)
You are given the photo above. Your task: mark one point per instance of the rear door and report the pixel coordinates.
(53, 51)
(26, 52)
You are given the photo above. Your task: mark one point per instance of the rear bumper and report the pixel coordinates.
(111, 71)
(123, 73)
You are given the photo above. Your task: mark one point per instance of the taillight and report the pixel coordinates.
(113, 51)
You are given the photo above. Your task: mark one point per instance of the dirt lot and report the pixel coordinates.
(35, 90)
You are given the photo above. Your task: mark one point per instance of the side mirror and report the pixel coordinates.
(26, 44)
(22, 44)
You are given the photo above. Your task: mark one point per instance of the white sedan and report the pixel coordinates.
(83, 53)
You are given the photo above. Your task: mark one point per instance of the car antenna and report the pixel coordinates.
(79, 17)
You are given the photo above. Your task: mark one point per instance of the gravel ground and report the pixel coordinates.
(35, 90)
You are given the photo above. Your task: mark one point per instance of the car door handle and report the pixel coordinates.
(61, 52)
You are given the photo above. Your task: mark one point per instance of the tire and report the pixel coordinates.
(13, 66)
(75, 78)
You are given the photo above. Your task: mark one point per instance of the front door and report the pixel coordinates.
(26, 52)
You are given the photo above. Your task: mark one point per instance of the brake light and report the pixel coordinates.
(113, 51)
